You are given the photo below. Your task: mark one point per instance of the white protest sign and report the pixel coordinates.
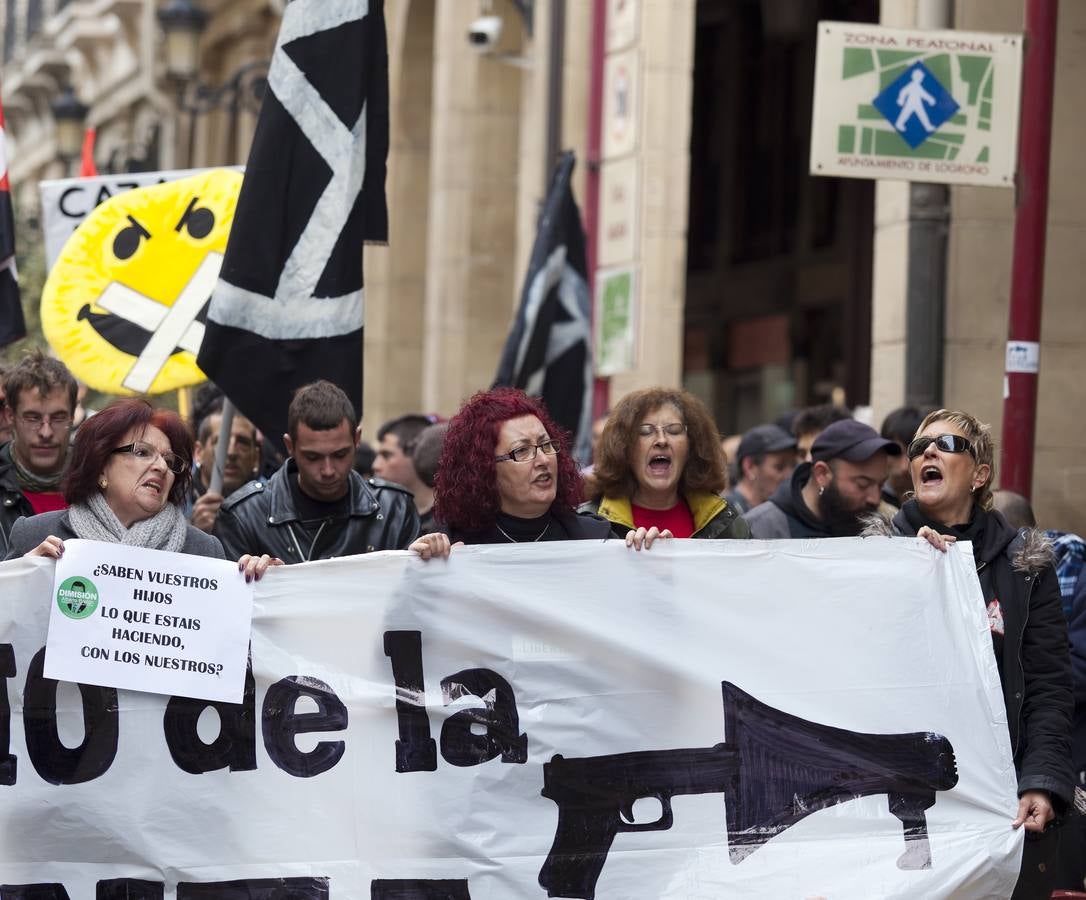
(145, 620)
(65, 202)
(801, 718)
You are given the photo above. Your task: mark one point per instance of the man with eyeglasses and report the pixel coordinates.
(316, 506)
(241, 465)
(40, 394)
(831, 495)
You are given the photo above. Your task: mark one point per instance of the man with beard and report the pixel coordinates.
(828, 496)
(40, 393)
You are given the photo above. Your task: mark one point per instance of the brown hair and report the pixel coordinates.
(42, 373)
(705, 465)
(979, 435)
(320, 406)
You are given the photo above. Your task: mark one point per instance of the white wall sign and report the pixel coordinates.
(939, 106)
(145, 620)
(622, 23)
(621, 103)
(619, 204)
(477, 728)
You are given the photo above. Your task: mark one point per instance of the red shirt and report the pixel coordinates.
(678, 520)
(45, 501)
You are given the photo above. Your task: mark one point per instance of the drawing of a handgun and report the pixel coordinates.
(774, 769)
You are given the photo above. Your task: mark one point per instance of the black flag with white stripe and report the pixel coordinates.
(548, 352)
(288, 307)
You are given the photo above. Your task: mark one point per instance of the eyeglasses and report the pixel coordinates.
(948, 443)
(523, 454)
(674, 429)
(57, 421)
(145, 453)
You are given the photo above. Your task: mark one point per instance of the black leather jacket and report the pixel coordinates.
(259, 517)
(13, 505)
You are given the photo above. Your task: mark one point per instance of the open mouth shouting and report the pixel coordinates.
(660, 466)
(155, 485)
(931, 474)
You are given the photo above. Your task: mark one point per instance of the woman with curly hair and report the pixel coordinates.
(506, 476)
(660, 471)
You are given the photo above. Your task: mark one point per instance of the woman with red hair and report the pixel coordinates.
(506, 476)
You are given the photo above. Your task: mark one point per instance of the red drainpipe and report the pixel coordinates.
(601, 387)
(1031, 218)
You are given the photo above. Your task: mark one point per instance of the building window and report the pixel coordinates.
(35, 13)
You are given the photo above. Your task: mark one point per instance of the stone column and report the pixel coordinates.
(472, 225)
(667, 47)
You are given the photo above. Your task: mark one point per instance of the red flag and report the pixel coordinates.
(87, 168)
(12, 324)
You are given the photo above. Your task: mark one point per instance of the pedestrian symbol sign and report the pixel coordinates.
(916, 104)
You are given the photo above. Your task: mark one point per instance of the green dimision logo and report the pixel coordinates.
(77, 597)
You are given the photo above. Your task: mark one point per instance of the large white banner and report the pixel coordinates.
(711, 718)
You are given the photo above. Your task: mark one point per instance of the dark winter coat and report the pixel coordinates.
(577, 527)
(260, 517)
(13, 504)
(785, 514)
(1017, 568)
(28, 533)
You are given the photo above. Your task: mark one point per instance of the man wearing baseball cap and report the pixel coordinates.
(828, 496)
(764, 460)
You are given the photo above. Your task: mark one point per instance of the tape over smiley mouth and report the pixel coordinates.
(123, 335)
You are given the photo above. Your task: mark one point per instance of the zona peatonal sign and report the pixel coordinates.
(916, 105)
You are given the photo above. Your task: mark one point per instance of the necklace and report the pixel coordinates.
(513, 540)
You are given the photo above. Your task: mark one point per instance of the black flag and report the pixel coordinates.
(12, 323)
(288, 306)
(548, 352)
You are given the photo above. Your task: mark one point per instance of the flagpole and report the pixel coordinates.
(225, 427)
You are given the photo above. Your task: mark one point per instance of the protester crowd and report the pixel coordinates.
(501, 471)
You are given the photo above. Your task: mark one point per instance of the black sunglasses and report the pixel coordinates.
(948, 443)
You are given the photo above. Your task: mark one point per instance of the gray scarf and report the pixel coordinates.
(95, 521)
(37, 484)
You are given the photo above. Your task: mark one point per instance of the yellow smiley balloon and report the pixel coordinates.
(124, 304)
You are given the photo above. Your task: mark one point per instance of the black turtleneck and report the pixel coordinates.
(514, 529)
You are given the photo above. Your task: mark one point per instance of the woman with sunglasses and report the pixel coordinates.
(128, 476)
(506, 477)
(951, 463)
(660, 470)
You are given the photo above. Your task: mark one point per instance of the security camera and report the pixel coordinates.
(484, 33)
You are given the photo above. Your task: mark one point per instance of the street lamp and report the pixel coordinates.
(182, 22)
(70, 115)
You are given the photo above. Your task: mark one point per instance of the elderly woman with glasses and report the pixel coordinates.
(951, 461)
(660, 471)
(128, 474)
(505, 476)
